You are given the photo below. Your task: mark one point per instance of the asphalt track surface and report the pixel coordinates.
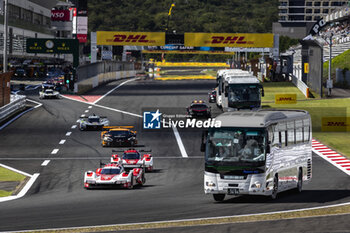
(173, 191)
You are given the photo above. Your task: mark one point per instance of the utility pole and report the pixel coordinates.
(329, 81)
(5, 36)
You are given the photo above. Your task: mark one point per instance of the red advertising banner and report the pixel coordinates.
(82, 38)
(60, 15)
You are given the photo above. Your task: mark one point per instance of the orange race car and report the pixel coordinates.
(118, 136)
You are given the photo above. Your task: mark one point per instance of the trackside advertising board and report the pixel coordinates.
(131, 38)
(242, 40)
(285, 98)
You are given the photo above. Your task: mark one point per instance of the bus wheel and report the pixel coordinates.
(300, 181)
(275, 188)
(219, 197)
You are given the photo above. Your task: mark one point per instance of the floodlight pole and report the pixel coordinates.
(5, 36)
(329, 82)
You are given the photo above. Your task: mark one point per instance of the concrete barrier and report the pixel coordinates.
(95, 81)
(18, 102)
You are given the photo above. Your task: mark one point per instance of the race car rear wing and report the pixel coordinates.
(122, 150)
(118, 127)
(85, 117)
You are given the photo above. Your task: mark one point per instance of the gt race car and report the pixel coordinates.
(48, 91)
(132, 158)
(199, 108)
(93, 122)
(114, 174)
(118, 136)
(212, 96)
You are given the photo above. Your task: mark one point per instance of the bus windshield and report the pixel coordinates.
(244, 93)
(236, 145)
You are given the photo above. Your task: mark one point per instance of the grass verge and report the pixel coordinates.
(8, 175)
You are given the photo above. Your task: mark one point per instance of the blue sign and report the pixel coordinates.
(152, 120)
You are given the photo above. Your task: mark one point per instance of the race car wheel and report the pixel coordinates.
(219, 197)
(143, 179)
(275, 188)
(132, 143)
(300, 181)
(131, 184)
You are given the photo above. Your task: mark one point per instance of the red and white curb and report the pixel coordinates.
(331, 156)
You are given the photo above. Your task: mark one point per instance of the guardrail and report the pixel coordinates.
(17, 103)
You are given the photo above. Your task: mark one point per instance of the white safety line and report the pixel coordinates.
(45, 163)
(15, 118)
(62, 142)
(120, 111)
(95, 227)
(38, 103)
(54, 151)
(90, 107)
(15, 170)
(23, 191)
(78, 120)
(68, 134)
(114, 89)
(74, 126)
(82, 115)
(86, 111)
(179, 143)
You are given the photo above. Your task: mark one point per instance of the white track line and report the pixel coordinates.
(68, 134)
(86, 111)
(15, 118)
(82, 115)
(23, 191)
(15, 170)
(179, 143)
(38, 103)
(73, 126)
(90, 107)
(115, 89)
(78, 120)
(62, 142)
(54, 151)
(45, 163)
(120, 111)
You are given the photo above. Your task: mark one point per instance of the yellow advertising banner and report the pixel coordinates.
(241, 40)
(285, 98)
(335, 124)
(188, 52)
(131, 38)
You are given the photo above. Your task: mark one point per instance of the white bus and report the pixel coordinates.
(260, 152)
(220, 76)
(241, 91)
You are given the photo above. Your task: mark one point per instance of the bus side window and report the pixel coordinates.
(306, 133)
(276, 139)
(290, 137)
(283, 138)
(299, 135)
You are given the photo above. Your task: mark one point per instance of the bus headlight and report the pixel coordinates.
(210, 184)
(256, 185)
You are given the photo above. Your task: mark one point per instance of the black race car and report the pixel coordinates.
(199, 109)
(212, 96)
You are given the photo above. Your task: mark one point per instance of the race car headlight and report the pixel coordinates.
(210, 184)
(256, 185)
(108, 139)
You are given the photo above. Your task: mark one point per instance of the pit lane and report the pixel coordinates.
(173, 191)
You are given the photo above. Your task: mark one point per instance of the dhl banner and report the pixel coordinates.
(242, 40)
(131, 38)
(335, 124)
(285, 98)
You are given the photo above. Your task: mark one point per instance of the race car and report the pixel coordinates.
(118, 136)
(132, 158)
(212, 96)
(114, 174)
(48, 91)
(93, 122)
(199, 108)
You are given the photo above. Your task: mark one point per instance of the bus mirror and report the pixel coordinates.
(204, 140)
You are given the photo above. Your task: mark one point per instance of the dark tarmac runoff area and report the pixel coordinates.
(173, 191)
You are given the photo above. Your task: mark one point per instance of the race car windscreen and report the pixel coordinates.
(131, 156)
(94, 119)
(119, 133)
(199, 106)
(111, 171)
(49, 92)
(236, 145)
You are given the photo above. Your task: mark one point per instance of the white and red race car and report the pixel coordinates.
(132, 158)
(114, 174)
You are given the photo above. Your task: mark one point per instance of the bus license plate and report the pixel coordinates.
(233, 191)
